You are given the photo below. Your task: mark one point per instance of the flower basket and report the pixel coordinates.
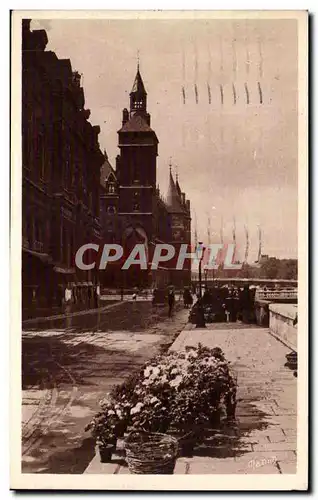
(151, 453)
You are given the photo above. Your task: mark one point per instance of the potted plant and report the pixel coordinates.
(107, 425)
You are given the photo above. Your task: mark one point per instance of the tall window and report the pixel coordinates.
(39, 156)
(68, 166)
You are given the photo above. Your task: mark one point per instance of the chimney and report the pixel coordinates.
(183, 198)
(188, 205)
(148, 119)
(125, 116)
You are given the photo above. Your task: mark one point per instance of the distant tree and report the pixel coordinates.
(270, 268)
(288, 269)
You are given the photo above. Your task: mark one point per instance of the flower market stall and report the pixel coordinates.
(173, 399)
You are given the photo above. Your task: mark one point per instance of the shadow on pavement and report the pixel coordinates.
(230, 438)
(49, 362)
(132, 316)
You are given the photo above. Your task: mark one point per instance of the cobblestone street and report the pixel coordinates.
(68, 364)
(262, 440)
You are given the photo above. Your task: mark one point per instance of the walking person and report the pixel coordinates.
(74, 296)
(171, 301)
(98, 293)
(68, 304)
(96, 296)
(68, 296)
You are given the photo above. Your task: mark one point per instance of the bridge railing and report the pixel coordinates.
(276, 294)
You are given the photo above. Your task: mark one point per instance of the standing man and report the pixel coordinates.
(171, 300)
(68, 298)
(98, 294)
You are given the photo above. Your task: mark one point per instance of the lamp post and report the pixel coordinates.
(200, 321)
(206, 270)
(200, 254)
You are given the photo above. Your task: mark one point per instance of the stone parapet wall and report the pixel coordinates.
(281, 323)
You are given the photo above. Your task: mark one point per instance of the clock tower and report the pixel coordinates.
(137, 163)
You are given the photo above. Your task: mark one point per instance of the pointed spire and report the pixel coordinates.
(177, 182)
(173, 197)
(138, 86)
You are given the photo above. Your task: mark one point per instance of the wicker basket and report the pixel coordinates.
(151, 453)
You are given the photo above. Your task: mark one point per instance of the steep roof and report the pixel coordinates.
(136, 124)
(106, 170)
(138, 85)
(173, 198)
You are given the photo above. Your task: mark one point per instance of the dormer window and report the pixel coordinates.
(111, 188)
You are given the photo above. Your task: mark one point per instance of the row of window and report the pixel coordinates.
(34, 237)
(33, 234)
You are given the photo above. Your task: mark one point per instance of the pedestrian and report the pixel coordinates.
(171, 301)
(74, 295)
(68, 298)
(154, 296)
(96, 296)
(60, 296)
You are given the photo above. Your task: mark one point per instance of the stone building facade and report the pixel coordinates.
(133, 210)
(61, 162)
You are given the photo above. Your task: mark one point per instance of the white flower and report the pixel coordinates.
(136, 409)
(154, 400)
(147, 371)
(177, 381)
(111, 412)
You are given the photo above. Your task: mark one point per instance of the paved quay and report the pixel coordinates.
(69, 364)
(263, 438)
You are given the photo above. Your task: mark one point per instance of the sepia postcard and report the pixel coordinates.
(159, 250)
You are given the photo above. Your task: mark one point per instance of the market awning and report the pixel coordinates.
(64, 270)
(44, 257)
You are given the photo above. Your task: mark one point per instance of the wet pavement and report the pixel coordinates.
(69, 364)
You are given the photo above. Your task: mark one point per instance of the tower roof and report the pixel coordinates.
(173, 197)
(136, 124)
(138, 86)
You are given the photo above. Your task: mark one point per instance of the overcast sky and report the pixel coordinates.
(234, 160)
